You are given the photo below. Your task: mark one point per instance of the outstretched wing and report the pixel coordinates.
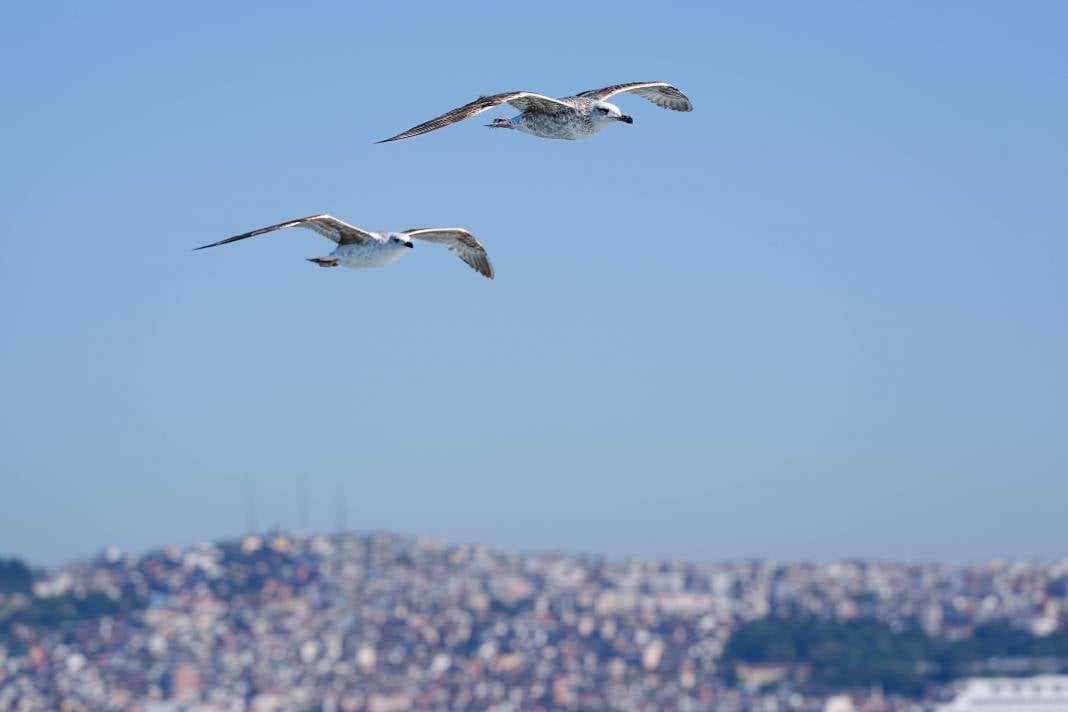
(329, 227)
(522, 100)
(660, 93)
(460, 241)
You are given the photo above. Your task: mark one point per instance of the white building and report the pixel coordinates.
(839, 703)
(1048, 693)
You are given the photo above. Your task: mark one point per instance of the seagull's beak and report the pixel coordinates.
(626, 119)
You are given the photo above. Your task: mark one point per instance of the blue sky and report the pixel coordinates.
(823, 315)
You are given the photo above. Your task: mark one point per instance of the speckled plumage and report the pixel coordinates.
(572, 117)
(358, 248)
(568, 125)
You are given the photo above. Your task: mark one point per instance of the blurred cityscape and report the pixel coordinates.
(387, 623)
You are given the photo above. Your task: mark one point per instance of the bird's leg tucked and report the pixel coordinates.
(324, 261)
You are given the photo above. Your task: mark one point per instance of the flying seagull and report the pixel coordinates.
(571, 117)
(360, 248)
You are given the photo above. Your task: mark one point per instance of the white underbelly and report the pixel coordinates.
(372, 255)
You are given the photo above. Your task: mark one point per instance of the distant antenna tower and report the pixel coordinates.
(302, 507)
(341, 513)
(251, 524)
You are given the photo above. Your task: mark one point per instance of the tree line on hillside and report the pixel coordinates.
(15, 576)
(19, 605)
(836, 655)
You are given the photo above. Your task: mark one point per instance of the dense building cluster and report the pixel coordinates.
(384, 623)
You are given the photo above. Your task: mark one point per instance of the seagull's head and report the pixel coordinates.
(603, 112)
(399, 240)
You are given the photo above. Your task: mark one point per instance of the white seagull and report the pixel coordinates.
(571, 117)
(358, 248)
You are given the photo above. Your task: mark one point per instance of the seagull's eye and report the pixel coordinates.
(602, 109)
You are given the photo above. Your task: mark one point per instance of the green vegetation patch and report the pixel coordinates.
(837, 655)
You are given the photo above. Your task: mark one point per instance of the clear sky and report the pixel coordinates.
(823, 315)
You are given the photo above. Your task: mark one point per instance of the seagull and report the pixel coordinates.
(571, 117)
(360, 248)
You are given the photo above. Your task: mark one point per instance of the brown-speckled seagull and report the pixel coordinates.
(571, 117)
